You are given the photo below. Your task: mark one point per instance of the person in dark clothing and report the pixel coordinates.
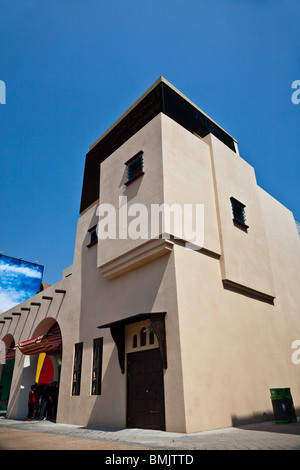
(31, 402)
(46, 401)
(54, 400)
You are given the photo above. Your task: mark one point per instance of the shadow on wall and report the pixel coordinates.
(255, 418)
(271, 426)
(23, 378)
(251, 419)
(111, 397)
(138, 291)
(114, 383)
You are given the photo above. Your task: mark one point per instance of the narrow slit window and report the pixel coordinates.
(77, 369)
(97, 366)
(151, 337)
(143, 337)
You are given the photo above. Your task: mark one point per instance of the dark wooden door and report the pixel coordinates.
(145, 390)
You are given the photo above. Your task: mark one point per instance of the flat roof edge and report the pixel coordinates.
(159, 80)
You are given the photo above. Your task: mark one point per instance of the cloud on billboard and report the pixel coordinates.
(19, 280)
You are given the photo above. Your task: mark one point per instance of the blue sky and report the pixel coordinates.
(72, 67)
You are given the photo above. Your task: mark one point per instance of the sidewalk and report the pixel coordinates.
(46, 435)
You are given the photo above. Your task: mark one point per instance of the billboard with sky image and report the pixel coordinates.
(19, 280)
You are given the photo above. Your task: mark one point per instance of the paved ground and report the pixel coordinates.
(46, 435)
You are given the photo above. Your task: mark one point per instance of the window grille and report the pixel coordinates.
(97, 366)
(238, 211)
(135, 167)
(77, 369)
(93, 235)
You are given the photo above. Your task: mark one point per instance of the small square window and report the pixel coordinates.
(238, 211)
(93, 235)
(134, 167)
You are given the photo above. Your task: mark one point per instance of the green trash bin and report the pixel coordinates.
(283, 406)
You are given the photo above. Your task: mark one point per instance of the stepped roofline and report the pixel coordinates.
(163, 97)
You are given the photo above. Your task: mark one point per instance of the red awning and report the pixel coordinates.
(31, 346)
(51, 343)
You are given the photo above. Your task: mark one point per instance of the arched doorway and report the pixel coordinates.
(6, 372)
(48, 346)
(42, 361)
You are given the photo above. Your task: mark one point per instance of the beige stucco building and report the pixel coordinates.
(220, 318)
